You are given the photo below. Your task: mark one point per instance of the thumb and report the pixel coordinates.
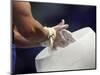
(62, 22)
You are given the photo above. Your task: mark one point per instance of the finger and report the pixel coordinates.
(62, 22)
(63, 27)
(62, 36)
(68, 37)
(60, 27)
(60, 44)
(54, 45)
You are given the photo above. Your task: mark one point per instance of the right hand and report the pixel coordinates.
(59, 40)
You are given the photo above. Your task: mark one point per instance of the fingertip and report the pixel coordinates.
(63, 21)
(67, 25)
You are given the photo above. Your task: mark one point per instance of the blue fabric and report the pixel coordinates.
(25, 59)
(13, 57)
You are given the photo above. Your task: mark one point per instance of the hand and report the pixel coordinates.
(60, 41)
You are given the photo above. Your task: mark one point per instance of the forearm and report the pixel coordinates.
(21, 42)
(33, 31)
(27, 26)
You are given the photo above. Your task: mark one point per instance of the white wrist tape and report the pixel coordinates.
(51, 37)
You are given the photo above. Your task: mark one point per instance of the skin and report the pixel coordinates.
(28, 32)
(26, 27)
(22, 42)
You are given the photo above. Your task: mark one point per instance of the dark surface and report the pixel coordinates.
(77, 16)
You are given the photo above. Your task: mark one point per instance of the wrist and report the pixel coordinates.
(50, 36)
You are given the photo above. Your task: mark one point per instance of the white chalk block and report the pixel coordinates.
(78, 55)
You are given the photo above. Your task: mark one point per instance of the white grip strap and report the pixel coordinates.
(51, 37)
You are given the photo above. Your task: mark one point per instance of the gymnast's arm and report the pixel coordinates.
(22, 42)
(26, 25)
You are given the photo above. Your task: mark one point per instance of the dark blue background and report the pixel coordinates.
(49, 14)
